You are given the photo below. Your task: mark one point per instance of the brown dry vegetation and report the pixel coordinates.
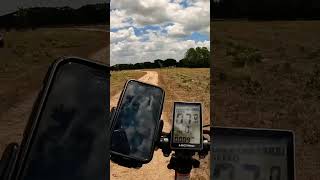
(24, 62)
(267, 75)
(186, 84)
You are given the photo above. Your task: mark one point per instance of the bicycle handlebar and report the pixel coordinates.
(164, 144)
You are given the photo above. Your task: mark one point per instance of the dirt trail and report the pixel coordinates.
(157, 168)
(13, 122)
(101, 55)
(92, 29)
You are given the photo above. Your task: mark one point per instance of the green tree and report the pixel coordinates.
(170, 62)
(159, 63)
(205, 57)
(22, 16)
(196, 57)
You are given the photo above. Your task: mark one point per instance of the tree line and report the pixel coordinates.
(266, 9)
(56, 16)
(198, 57)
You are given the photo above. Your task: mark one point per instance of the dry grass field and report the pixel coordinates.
(119, 78)
(267, 75)
(186, 84)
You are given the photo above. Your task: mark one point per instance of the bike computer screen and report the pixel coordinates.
(186, 126)
(252, 154)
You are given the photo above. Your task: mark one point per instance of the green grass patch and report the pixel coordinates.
(243, 55)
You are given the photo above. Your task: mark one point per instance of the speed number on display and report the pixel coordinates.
(187, 125)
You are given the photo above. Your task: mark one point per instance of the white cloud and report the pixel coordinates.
(163, 43)
(161, 47)
(147, 12)
(119, 19)
(176, 30)
(178, 1)
(193, 18)
(123, 35)
(143, 12)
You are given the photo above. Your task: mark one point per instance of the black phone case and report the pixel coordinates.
(31, 126)
(115, 114)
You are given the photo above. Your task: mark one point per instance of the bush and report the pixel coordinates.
(313, 82)
(252, 87)
(243, 56)
(231, 52)
(239, 60)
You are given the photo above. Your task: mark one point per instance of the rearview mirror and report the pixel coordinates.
(136, 121)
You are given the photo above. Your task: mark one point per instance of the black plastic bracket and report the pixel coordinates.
(183, 162)
(125, 162)
(8, 160)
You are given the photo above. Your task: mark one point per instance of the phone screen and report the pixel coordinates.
(70, 141)
(137, 119)
(187, 125)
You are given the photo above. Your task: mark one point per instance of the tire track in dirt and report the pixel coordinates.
(157, 168)
(101, 56)
(13, 122)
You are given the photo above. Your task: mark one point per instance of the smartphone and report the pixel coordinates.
(66, 136)
(136, 121)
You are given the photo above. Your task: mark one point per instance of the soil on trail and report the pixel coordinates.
(13, 122)
(157, 168)
(101, 55)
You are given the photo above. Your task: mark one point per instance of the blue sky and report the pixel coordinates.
(145, 30)
(198, 36)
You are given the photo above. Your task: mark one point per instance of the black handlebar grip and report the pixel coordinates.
(157, 143)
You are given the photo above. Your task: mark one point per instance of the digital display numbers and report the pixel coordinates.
(187, 124)
(244, 158)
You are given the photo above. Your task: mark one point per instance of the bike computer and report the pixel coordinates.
(186, 126)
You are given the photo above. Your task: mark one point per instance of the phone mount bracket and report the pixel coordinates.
(183, 162)
(128, 162)
(125, 162)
